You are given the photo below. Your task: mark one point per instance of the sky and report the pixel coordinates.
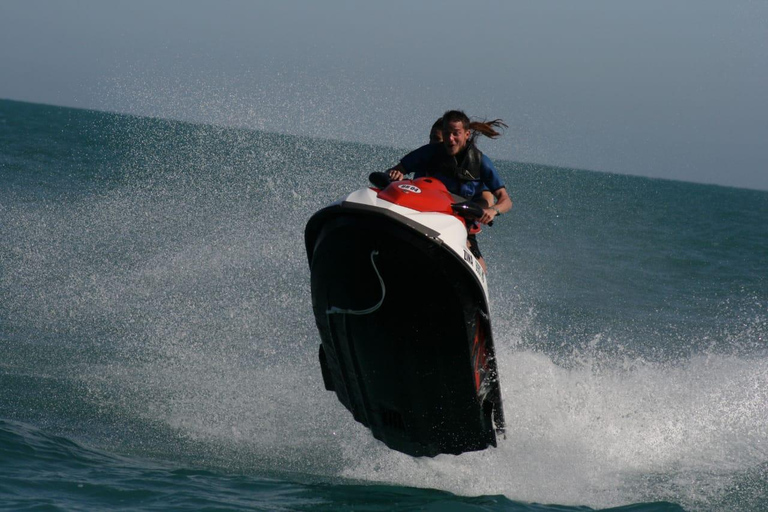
(660, 88)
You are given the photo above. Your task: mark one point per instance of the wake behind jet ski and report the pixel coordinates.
(402, 309)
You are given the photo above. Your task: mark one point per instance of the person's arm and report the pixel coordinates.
(397, 172)
(488, 199)
(412, 162)
(493, 182)
(503, 205)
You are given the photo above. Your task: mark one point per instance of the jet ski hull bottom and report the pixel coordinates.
(406, 341)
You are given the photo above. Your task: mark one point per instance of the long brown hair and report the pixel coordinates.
(486, 128)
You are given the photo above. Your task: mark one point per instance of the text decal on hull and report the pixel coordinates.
(409, 188)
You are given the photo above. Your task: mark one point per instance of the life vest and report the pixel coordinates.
(466, 170)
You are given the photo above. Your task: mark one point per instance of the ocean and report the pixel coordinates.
(158, 350)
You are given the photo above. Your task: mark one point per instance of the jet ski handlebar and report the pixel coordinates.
(469, 210)
(379, 180)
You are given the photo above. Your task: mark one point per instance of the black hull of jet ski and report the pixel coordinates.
(406, 341)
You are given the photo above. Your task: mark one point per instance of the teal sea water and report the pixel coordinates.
(158, 351)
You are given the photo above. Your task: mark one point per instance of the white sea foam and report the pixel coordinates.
(604, 437)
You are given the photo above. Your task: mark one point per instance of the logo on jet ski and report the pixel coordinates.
(409, 188)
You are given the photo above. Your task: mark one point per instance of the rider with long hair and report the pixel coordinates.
(464, 170)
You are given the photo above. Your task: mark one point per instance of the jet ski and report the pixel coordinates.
(402, 309)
